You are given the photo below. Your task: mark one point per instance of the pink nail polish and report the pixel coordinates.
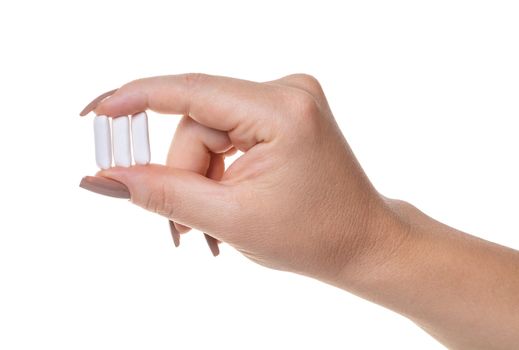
(105, 186)
(92, 105)
(213, 244)
(174, 233)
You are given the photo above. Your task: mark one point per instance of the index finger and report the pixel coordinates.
(218, 102)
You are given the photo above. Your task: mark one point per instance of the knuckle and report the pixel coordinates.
(158, 201)
(309, 80)
(309, 83)
(193, 79)
(304, 105)
(304, 115)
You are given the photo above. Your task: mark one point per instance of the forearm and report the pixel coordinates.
(461, 289)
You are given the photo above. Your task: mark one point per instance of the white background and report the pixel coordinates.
(426, 93)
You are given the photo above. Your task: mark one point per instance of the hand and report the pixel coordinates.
(296, 199)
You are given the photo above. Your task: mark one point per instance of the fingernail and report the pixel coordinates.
(92, 105)
(105, 186)
(174, 233)
(213, 244)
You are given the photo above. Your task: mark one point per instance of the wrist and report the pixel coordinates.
(385, 241)
(439, 278)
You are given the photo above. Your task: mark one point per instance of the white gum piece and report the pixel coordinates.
(103, 142)
(141, 139)
(121, 141)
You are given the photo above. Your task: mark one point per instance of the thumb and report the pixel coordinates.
(183, 196)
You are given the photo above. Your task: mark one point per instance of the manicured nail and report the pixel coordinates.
(174, 233)
(105, 186)
(92, 105)
(213, 244)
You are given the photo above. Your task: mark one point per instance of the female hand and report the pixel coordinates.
(296, 199)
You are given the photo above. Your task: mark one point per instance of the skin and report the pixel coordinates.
(297, 200)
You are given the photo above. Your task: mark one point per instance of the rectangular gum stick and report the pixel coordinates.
(103, 142)
(140, 139)
(121, 141)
